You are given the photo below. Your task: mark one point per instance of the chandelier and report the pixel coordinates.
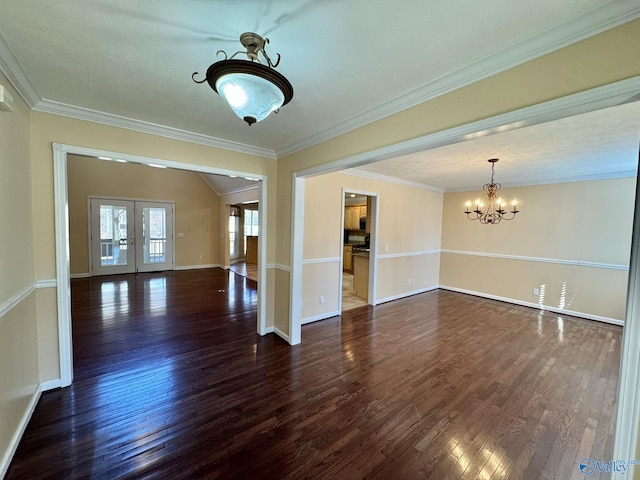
(494, 210)
(251, 89)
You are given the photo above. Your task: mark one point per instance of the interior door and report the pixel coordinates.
(112, 236)
(129, 236)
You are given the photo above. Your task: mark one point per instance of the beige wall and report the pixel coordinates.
(196, 206)
(408, 240)
(605, 58)
(19, 377)
(570, 241)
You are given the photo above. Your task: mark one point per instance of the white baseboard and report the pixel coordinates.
(50, 385)
(80, 275)
(198, 267)
(406, 294)
(267, 330)
(322, 316)
(588, 316)
(17, 436)
(282, 335)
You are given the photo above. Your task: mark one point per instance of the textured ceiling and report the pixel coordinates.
(350, 62)
(599, 144)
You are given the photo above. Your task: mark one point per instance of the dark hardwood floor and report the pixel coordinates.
(172, 382)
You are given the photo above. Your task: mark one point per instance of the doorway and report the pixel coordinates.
(358, 253)
(130, 236)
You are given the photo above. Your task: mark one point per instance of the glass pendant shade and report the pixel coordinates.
(251, 89)
(252, 98)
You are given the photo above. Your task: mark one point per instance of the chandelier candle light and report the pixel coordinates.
(251, 89)
(494, 211)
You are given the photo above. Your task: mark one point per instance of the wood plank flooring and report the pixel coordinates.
(171, 381)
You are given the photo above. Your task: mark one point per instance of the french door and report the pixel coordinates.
(128, 236)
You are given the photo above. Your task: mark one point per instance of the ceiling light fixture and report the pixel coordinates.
(493, 212)
(251, 89)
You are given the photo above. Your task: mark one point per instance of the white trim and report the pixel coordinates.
(50, 385)
(80, 113)
(556, 37)
(282, 335)
(262, 254)
(628, 412)
(61, 218)
(279, 266)
(311, 261)
(200, 267)
(321, 316)
(9, 453)
(578, 263)
(268, 330)
(19, 432)
(532, 182)
(51, 283)
(384, 178)
(581, 102)
(407, 294)
(573, 313)
(240, 190)
(10, 67)
(80, 275)
(144, 160)
(408, 254)
(16, 299)
(60, 151)
(343, 211)
(295, 278)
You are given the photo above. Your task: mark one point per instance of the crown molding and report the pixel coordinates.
(241, 190)
(65, 110)
(384, 178)
(551, 181)
(597, 98)
(555, 37)
(12, 69)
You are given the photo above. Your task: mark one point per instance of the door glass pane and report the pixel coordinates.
(113, 235)
(250, 226)
(233, 236)
(154, 230)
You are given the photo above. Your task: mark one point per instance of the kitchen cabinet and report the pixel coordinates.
(361, 275)
(352, 215)
(347, 265)
(252, 250)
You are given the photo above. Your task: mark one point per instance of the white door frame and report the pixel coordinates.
(61, 219)
(372, 214)
(628, 413)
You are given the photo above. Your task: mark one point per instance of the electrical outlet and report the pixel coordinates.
(536, 291)
(410, 280)
(321, 299)
(386, 248)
